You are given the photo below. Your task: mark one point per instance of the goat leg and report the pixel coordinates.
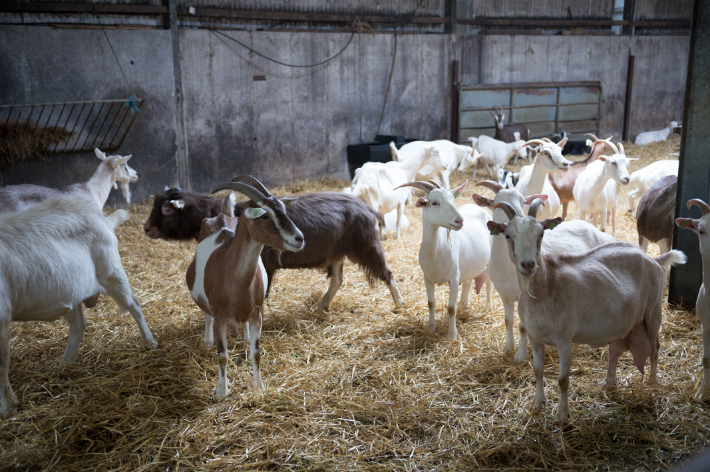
(335, 272)
(8, 401)
(77, 327)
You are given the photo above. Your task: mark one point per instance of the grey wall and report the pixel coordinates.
(297, 123)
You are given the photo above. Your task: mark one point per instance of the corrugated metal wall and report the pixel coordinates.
(564, 9)
(362, 7)
(663, 9)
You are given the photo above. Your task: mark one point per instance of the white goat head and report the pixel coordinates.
(471, 159)
(700, 226)
(122, 173)
(524, 236)
(432, 157)
(550, 154)
(438, 205)
(617, 165)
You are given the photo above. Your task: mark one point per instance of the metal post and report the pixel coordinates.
(455, 134)
(628, 16)
(694, 169)
(629, 91)
(180, 141)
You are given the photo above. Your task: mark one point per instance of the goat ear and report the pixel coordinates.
(603, 158)
(166, 188)
(505, 113)
(228, 205)
(288, 200)
(482, 201)
(99, 154)
(632, 159)
(253, 213)
(496, 228)
(551, 223)
(529, 200)
(179, 204)
(494, 115)
(562, 143)
(460, 189)
(687, 223)
(126, 158)
(421, 202)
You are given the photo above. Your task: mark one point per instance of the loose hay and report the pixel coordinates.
(21, 141)
(359, 388)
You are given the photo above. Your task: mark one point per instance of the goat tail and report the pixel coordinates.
(393, 148)
(671, 258)
(117, 218)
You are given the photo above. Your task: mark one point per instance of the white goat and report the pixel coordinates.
(454, 258)
(595, 188)
(572, 237)
(562, 305)
(113, 170)
(498, 153)
(375, 182)
(533, 179)
(53, 256)
(450, 154)
(643, 179)
(649, 137)
(701, 227)
(227, 278)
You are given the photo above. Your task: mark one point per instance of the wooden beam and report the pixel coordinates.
(47, 7)
(555, 23)
(312, 17)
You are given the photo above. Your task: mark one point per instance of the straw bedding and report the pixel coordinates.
(359, 388)
(20, 141)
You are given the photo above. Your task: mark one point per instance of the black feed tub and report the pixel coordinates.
(378, 151)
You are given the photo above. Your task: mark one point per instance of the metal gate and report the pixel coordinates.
(545, 108)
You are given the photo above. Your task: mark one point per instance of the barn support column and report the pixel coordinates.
(694, 169)
(180, 141)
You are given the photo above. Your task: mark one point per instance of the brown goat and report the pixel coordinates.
(335, 226)
(506, 133)
(563, 182)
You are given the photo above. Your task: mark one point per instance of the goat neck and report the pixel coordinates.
(548, 158)
(104, 178)
(412, 166)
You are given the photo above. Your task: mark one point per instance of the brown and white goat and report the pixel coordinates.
(558, 308)
(112, 171)
(336, 226)
(506, 133)
(655, 214)
(226, 277)
(563, 183)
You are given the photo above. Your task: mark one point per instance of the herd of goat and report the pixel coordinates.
(58, 252)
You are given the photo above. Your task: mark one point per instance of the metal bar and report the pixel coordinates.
(19, 116)
(182, 156)
(312, 17)
(83, 126)
(49, 118)
(125, 115)
(87, 102)
(529, 85)
(98, 133)
(520, 107)
(41, 112)
(455, 103)
(130, 124)
(115, 115)
(557, 111)
(91, 128)
(627, 101)
(49, 7)
(628, 16)
(165, 17)
(555, 23)
(73, 126)
(61, 112)
(694, 166)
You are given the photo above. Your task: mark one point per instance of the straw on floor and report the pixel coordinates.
(359, 388)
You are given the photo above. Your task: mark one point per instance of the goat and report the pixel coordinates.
(53, 256)
(112, 170)
(533, 178)
(649, 137)
(506, 133)
(563, 183)
(450, 154)
(456, 258)
(644, 179)
(507, 178)
(336, 226)
(569, 237)
(595, 188)
(701, 227)
(498, 153)
(655, 214)
(375, 182)
(559, 308)
(227, 279)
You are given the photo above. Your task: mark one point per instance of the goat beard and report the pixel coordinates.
(126, 191)
(525, 284)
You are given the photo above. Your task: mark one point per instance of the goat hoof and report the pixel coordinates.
(151, 344)
(6, 411)
(562, 416)
(607, 384)
(702, 394)
(68, 359)
(320, 309)
(431, 327)
(519, 359)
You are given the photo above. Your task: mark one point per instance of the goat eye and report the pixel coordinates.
(265, 217)
(614, 163)
(507, 237)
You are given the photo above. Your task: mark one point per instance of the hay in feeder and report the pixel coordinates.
(359, 388)
(21, 141)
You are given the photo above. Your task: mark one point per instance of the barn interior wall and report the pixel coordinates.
(296, 123)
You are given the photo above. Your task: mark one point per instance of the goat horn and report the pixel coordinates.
(507, 208)
(434, 183)
(426, 186)
(534, 206)
(490, 184)
(242, 187)
(254, 183)
(548, 140)
(700, 204)
(534, 141)
(592, 136)
(621, 148)
(611, 146)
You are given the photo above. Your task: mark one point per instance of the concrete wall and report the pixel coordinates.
(297, 123)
